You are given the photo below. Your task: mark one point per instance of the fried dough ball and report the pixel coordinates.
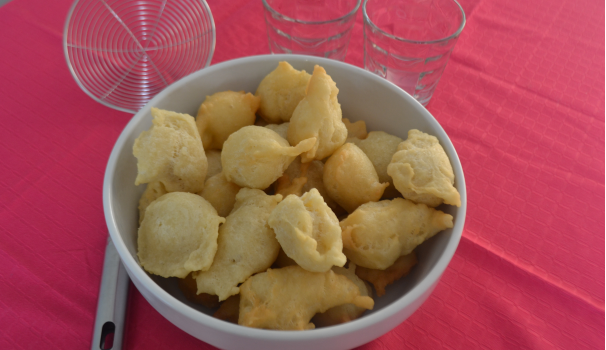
(213, 157)
(381, 278)
(280, 92)
(346, 312)
(152, 192)
(380, 146)
(281, 129)
(351, 179)
(356, 129)
(318, 115)
(255, 156)
(171, 153)
(289, 297)
(300, 178)
(178, 235)
(308, 232)
(189, 288)
(377, 233)
(220, 193)
(229, 310)
(246, 245)
(421, 171)
(224, 113)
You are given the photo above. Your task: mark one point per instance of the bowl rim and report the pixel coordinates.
(240, 331)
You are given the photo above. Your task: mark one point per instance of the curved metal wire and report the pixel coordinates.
(122, 53)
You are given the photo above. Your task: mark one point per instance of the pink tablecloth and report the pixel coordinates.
(522, 100)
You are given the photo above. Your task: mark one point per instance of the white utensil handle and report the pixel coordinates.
(111, 307)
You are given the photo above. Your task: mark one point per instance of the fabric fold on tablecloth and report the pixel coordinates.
(533, 274)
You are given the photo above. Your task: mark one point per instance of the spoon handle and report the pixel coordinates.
(111, 307)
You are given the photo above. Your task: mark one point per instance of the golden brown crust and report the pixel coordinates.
(171, 152)
(286, 186)
(190, 291)
(220, 193)
(380, 147)
(289, 297)
(281, 129)
(280, 92)
(308, 231)
(302, 177)
(351, 179)
(356, 129)
(178, 235)
(153, 191)
(246, 245)
(318, 116)
(377, 233)
(346, 312)
(256, 156)
(422, 172)
(382, 278)
(224, 113)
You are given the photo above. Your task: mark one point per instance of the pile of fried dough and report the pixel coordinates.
(279, 212)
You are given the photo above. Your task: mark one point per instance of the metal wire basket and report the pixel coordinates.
(122, 53)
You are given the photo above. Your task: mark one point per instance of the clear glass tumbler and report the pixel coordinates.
(408, 42)
(310, 27)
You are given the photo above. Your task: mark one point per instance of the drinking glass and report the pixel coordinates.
(408, 42)
(310, 27)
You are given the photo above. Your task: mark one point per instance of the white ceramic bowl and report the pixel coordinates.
(363, 96)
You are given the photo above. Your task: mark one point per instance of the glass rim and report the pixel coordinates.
(273, 11)
(451, 36)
